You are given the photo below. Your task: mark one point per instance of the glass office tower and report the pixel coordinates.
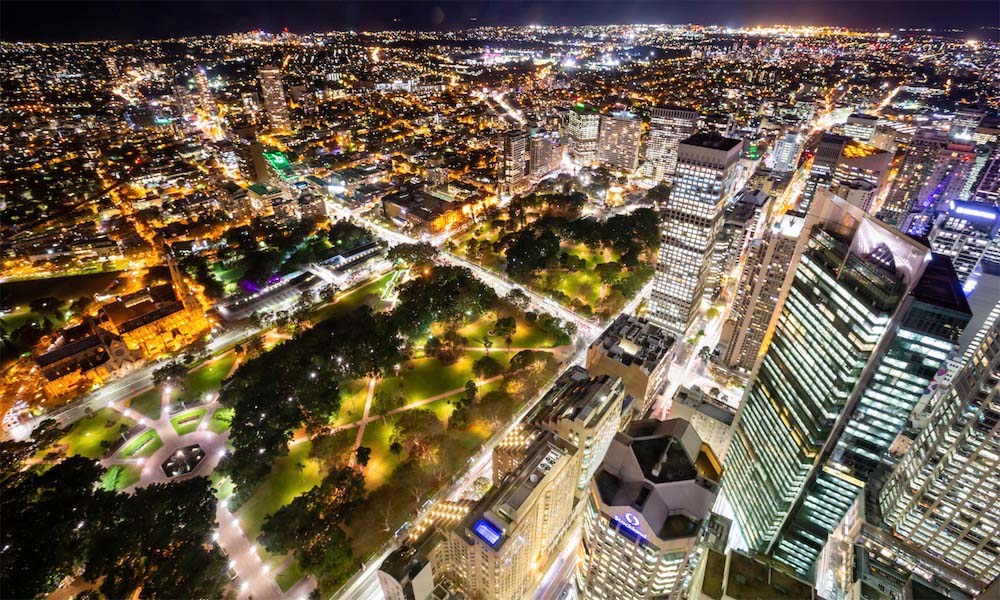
(864, 324)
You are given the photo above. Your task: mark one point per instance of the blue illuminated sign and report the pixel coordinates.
(487, 532)
(630, 525)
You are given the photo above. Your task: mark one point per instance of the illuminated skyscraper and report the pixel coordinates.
(649, 508)
(273, 93)
(545, 153)
(869, 317)
(943, 495)
(964, 232)
(587, 412)
(758, 295)
(841, 162)
(860, 127)
(668, 125)
(502, 546)
(706, 171)
(786, 153)
(618, 141)
(514, 161)
(582, 129)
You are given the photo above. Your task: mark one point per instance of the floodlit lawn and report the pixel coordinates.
(290, 575)
(352, 299)
(119, 477)
(143, 445)
(208, 378)
(280, 487)
(221, 485)
(378, 436)
(424, 378)
(352, 402)
(188, 421)
(585, 285)
(221, 419)
(85, 436)
(148, 403)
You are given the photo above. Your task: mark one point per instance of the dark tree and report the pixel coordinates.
(363, 454)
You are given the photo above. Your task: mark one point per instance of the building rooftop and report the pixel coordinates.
(939, 286)
(583, 400)
(662, 470)
(741, 577)
(713, 141)
(492, 518)
(632, 340)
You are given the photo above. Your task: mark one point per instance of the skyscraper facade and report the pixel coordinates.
(514, 161)
(943, 495)
(582, 129)
(650, 502)
(706, 171)
(758, 295)
(786, 153)
(668, 125)
(497, 549)
(868, 319)
(273, 94)
(618, 141)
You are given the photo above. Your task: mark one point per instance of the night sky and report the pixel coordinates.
(77, 21)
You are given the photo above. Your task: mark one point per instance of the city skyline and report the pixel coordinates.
(445, 310)
(133, 21)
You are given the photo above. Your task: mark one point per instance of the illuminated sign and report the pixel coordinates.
(487, 532)
(630, 525)
(973, 212)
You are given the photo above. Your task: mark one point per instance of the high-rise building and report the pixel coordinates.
(668, 125)
(273, 94)
(758, 296)
(869, 317)
(500, 548)
(618, 141)
(942, 496)
(251, 105)
(545, 153)
(650, 502)
(711, 417)
(706, 172)
(744, 221)
(860, 127)
(514, 162)
(634, 350)
(841, 161)
(786, 153)
(583, 126)
(965, 124)
(964, 232)
(587, 413)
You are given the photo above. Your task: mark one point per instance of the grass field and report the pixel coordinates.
(208, 378)
(352, 299)
(221, 419)
(85, 436)
(188, 421)
(119, 477)
(143, 445)
(148, 403)
(280, 487)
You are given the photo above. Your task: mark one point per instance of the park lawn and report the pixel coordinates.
(353, 394)
(148, 403)
(378, 437)
(85, 436)
(208, 378)
(144, 445)
(424, 378)
(188, 421)
(290, 575)
(119, 477)
(352, 299)
(584, 285)
(280, 487)
(222, 485)
(221, 420)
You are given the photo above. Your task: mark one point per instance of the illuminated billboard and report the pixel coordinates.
(487, 532)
